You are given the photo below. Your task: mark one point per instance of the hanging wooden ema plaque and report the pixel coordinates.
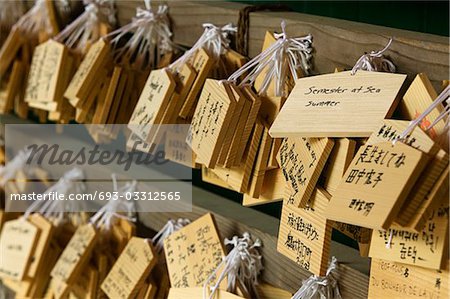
(84, 79)
(338, 105)
(44, 88)
(425, 248)
(305, 234)
(193, 253)
(130, 270)
(437, 195)
(158, 89)
(73, 259)
(198, 292)
(395, 280)
(376, 184)
(209, 124)
(419, 96)
(391, 129)
(302, 160)
(17, 243)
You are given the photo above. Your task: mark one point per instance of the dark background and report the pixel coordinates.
(422, 16)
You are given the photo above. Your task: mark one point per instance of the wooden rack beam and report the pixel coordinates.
(337, 43)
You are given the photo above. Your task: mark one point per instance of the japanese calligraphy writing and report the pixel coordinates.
(193, 253)
(304, 234)
(375, 184)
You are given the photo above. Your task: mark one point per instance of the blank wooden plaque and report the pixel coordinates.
(417, 99)
(273, 189)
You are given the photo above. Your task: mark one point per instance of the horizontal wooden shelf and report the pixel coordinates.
(337, 43)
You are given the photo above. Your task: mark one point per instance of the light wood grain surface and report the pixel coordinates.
(336, 42)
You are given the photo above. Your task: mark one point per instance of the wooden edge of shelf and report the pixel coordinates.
(337, 43)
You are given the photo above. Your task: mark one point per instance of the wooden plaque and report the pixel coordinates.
(391, 129)
(376, 184)
(17, 242)
(175, 147)
(202, 64)
(238, 177)
(269, 39)
(249, 124)
(305, 234)
(210, 177)
(130, 270)
(209, 123)
(84, 78)
(338, 105)
(395, 280)
(157, 91)
(426, 248)
(260, 167)
(9, 49)
(74, 257)
(193, 253)
(46, 230)
(232, 127)
(46, 72)
(417, 99)
(273, 189)
(340, 158)
(302, 160)
(439, 193)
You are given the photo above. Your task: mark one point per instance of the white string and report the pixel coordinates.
(444, 114)
(242, 264)
(389, 242)
(316, 287)
(151, 37)
(106, 9)
(54, 208)
(443, 96)
(214, 40)
(107, 215)
(365, 62)
(80, 32)
(148, 5)
(169, 228)
(9, 171)
(35, 20)
(65, 7)
(296, 53)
